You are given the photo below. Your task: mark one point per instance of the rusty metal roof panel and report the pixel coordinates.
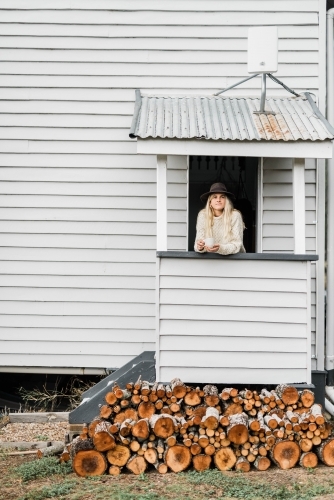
(229, 118)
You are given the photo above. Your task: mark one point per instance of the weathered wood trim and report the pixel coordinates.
(238, 256)
(298, 185)
(309, 325)
(157, 320)
(162, 202)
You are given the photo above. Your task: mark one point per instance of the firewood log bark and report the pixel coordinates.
(237, 431)
(287, 393)
(285, 454)
(89, 463)
(137, 465)
(307, 398)
(326, 452)
(316, 415)
(178, 458)
(225, 459)
(211, 396)
(242, 464)
(228, 392)
(163, 425)
(308, 460)
(262, 463)
(49, 451)
(179, 390)
(103, 439)
(202, 462)
(119, 455)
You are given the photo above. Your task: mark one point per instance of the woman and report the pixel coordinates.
(219, 220)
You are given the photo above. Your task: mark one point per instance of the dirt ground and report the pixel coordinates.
(274, 484)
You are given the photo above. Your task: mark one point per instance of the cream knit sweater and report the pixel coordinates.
(233, 244)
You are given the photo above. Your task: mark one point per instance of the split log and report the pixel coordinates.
(89, 463)
(119, 455)
(146, 409)
(285, 454)
(178, 458)
(307, 398)
(103, 439)
(242, 464)
(141, 429)
(211, 418)
(308, 460)
(202, 462)
(225, 459)
(287, 393)
(192, 398)
(262, 463)
(237, 431)
(151, 456)
(162, 425)
(326, 452)
(137, 465)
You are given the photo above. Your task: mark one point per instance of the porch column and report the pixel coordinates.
(299, 205)
(162, 202)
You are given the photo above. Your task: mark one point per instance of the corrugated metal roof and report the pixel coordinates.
(228, 118)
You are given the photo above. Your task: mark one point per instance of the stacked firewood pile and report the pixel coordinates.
(175, 426)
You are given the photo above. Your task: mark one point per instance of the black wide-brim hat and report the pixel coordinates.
(218, 187)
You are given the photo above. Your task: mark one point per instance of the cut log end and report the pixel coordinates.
(286, 454)
(225, 459)
(202, 462)
(178, 458)
(89, 463)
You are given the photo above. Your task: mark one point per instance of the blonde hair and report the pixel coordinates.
(227, 217)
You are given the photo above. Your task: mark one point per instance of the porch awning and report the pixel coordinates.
(172, 125)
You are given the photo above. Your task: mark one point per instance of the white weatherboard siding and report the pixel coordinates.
(77, 205)
(229, 335)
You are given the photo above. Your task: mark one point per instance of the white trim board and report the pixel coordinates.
(277, 149)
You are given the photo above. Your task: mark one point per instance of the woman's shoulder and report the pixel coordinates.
(236, 214)
(201, 215)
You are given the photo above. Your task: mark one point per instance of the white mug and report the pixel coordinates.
(209, 242)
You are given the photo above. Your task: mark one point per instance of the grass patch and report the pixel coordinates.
(44, 467)
(240, 487)
(54, 491)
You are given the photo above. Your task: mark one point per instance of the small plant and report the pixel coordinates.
(41, 437)
(45, 467)
(54, 491)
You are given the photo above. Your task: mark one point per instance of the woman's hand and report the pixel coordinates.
(213, 249)
(200, 245)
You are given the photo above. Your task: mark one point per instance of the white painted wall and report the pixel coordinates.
(77, 206)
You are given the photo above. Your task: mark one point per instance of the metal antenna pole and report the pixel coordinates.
(236, 84)
(263, 92)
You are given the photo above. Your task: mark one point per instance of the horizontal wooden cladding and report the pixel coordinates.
(24, 146)
(66, 121)
(70, 295)
(85, 189)
(89, 202)
(63, 134)
(36, 240)
(286, 203)
(150, 17)
(144, 31)
(85, 335)
(286, 230)
(279, 244)
(232, 269)
(77, 254)
(285, 176)
(227, 344)
(174, 5)
(134, 55)
(228, 376)
(230, 313)
(67, 107)
(236, 298)
(233, 328)
(87, 175)
(271, 360)
(286, 217)
(81, 321)
(231, 284)
(83, 43)
(148, 69)
(283, 189)
(153, 82)
(78, 282)
(78, 268)
(65, 360)
(52, 346)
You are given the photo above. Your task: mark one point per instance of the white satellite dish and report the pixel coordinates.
(262, 49)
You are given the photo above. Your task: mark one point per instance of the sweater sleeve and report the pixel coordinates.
(235, 245)
(200, 231)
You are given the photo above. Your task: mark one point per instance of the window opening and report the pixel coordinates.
(239, 174)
